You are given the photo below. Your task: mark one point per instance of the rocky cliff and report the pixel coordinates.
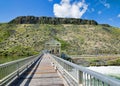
(51, 20)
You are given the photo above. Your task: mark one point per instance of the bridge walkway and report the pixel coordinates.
(42, 74)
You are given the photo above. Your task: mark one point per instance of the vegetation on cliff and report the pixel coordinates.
(21, 38)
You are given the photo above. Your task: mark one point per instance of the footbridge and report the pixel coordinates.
(49, 70)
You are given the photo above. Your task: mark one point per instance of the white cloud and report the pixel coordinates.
(92, 9)
(107, 5)
(68, 9)
(118, 16)
(50, 0)
(99, 12)
(104, 2)
(110, 19)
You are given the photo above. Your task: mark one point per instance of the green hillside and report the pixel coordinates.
(26, 35)
(29, 39)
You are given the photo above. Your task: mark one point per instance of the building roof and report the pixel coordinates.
(53, 42)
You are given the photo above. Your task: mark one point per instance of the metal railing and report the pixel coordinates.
(12, 70)
(95, 56)
(82, 76)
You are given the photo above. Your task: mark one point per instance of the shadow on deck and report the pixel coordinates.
(41, 73)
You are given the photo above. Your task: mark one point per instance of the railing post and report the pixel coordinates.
(83, 76)
(55, 67)
(52, 64)
(80, 78)
(17, 69)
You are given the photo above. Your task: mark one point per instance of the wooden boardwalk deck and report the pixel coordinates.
(42, 74)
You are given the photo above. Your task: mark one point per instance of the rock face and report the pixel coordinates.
(51, 20)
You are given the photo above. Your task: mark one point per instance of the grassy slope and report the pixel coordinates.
(29, 39)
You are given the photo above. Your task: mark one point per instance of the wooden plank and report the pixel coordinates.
(43, 74)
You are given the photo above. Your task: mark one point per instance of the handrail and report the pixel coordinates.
(11, 70)
(83, 76)
(91, 56)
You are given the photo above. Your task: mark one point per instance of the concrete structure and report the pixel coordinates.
(53, 46)
(50, 70)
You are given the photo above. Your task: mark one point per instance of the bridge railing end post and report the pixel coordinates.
(80, 77)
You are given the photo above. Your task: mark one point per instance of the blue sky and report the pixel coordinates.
(103, 11)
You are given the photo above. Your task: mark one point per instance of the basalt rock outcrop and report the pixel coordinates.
(51, 20)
